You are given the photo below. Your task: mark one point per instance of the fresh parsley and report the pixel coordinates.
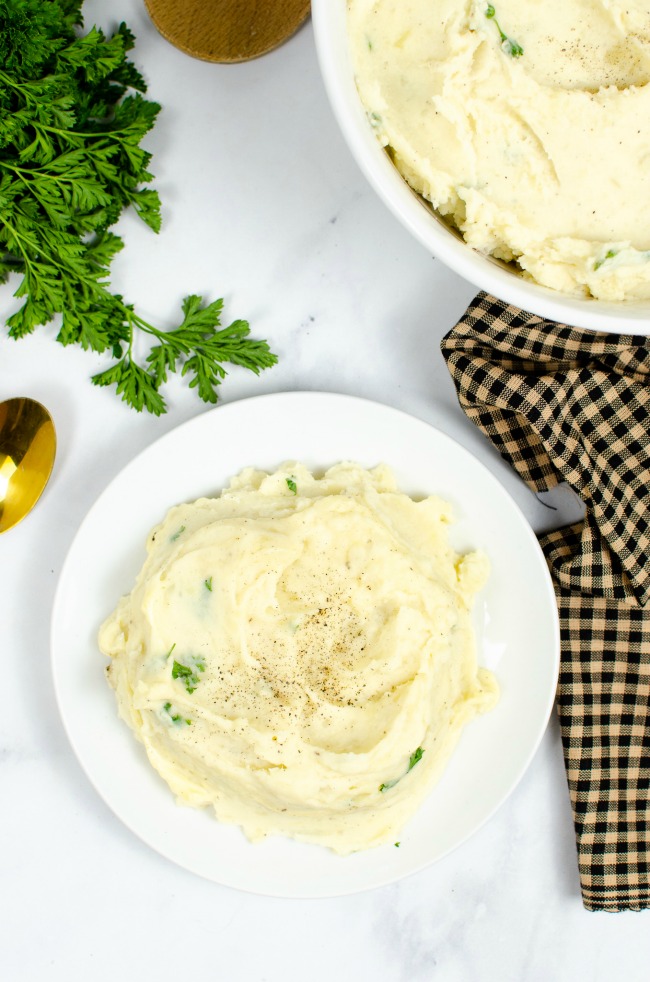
(512, 48)
(291, 484)
(188, 674)
(72, 117)
(208, 584)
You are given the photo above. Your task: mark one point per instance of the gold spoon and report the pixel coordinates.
(27, 449)
(227, 30)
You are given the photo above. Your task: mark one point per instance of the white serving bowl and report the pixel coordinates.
(501, 280)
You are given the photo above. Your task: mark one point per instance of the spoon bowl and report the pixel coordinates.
(27, 451)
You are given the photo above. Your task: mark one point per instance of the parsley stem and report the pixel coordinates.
(41, 172)
(15, 234)
(49, 257)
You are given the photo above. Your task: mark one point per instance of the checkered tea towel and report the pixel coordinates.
(567, 405)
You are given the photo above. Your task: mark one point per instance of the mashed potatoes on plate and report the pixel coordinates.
(525, 124)
(298, 653)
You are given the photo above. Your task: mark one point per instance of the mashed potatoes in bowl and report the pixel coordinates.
(511, 139)
(527, 124)
(297, 654)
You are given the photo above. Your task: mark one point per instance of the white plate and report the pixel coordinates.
(516, 620)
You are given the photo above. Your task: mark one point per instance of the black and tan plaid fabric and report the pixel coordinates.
(566, 405)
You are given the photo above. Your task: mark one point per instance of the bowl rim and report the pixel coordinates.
(485, 272)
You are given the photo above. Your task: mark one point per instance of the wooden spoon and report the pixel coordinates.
(227, 30)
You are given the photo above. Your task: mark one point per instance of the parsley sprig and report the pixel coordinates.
(72, 118)
(511, 47)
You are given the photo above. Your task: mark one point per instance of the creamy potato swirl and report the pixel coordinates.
(527, 125)
(298, 653)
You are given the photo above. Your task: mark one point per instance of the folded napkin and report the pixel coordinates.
(567, 405)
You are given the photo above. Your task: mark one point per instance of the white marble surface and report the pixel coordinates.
(264, 206)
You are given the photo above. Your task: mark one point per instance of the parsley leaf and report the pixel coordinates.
(188, 674)
(386, 785)
(608, 255)
(73, 114)
(174, 715)
(415, 757)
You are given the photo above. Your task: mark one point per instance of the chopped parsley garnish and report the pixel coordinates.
(177, 533)
(389, 784)
(174, 716)
(413, 760)
(188, 674)
(510, 47)
(608, 255)
(291, 484)
(208, 584)
(415, 757)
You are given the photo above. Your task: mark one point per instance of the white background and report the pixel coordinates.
(263, 205)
